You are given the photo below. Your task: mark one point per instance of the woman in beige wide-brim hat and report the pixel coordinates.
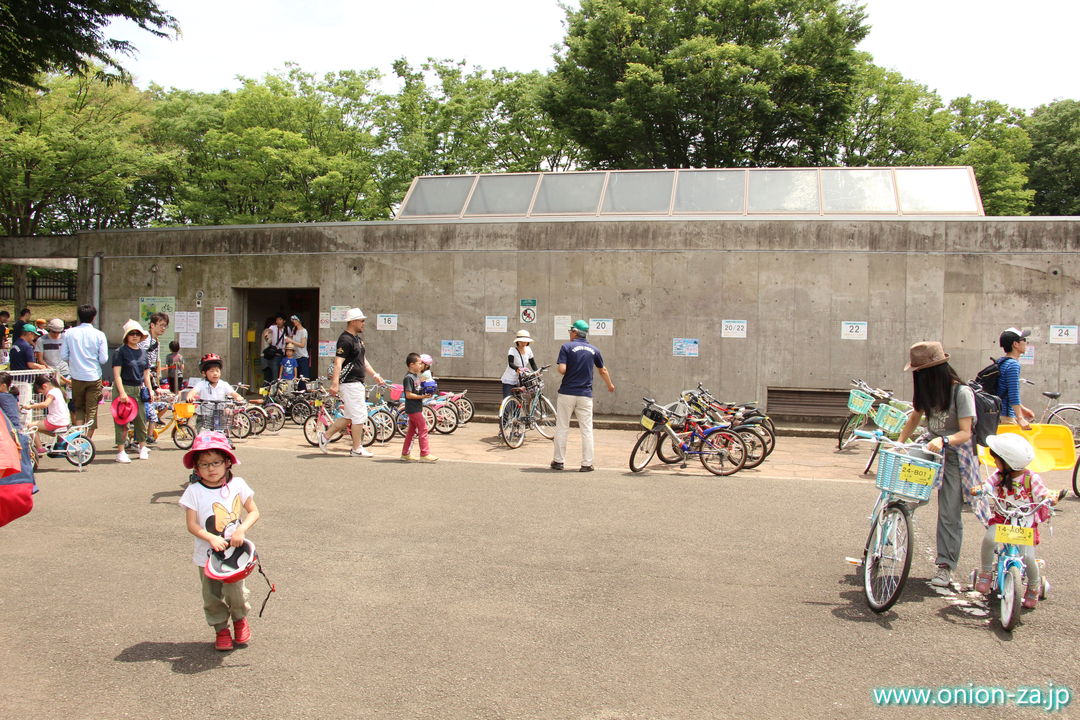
(949, 407)
(517, 358)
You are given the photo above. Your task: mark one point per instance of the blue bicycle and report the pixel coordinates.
(1009, 577)
(906, 475)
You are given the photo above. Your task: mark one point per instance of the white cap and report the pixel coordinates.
(355, 314)
(1015, 450)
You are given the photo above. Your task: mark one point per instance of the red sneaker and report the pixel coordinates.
(241, 631)
(224, 640)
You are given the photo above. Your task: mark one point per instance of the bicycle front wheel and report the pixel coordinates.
(183, 435)
(511, 425)
(465, 409)
(847, 430)
(643, 451)
(312, 427)
(545, 418)
(240, 425)
(257, 417)
(1012, 591)
(873, 457)
(723, 452)
(887, 557)
(275, 418)
(384, 426)
(1076, 468)
(300, 411)
(755, 447)
(1070, 417)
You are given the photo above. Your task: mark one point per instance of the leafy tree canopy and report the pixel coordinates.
(68, 35)
(1055, 157)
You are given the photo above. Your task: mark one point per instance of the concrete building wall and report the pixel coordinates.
(794, 280)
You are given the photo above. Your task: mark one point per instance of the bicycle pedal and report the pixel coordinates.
(683, 466)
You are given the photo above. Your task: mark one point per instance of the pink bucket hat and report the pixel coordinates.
(124, 410)
(209, 440)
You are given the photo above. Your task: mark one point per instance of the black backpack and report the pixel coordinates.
(988, 377)
(987, 412)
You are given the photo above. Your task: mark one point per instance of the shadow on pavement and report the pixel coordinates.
(187, 658)
(158, 497)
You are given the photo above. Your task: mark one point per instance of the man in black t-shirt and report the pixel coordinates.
(347, 381)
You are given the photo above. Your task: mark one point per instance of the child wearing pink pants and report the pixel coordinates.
(414, 406)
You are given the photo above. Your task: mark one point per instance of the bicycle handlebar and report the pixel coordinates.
(881, 437)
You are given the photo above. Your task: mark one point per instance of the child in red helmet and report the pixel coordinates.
(213, 504)
(211, 387)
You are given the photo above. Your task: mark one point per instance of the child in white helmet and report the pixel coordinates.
(1013, 481)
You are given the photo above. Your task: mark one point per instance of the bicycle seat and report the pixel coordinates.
(1052, 395)
(649, 400)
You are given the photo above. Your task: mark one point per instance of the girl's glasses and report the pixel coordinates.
(211, 465)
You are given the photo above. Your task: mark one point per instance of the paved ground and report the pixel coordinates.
(486, 586)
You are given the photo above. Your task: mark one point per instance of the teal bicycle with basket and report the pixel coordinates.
(906, 476)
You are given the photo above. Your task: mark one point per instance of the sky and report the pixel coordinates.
(1023, 54)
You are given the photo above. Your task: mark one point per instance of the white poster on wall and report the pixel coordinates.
(1028, 358)
(188, 340)
(562, 327)
(386, 322)
(186, 322)
(338, 313)
(685, 347)
(221, 318)
(495, 323)
(324, 320)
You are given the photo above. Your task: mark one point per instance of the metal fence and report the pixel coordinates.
(40, 288)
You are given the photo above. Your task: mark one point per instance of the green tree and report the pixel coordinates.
(690, 83)
(1055, 158)
(67, 35)
(72, 156)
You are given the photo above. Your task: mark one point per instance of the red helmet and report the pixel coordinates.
(232, 564)
(208, 360)
(209, 440)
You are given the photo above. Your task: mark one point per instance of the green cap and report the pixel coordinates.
(581, 326)
(28, 328)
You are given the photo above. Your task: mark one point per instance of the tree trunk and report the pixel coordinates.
(18, 273)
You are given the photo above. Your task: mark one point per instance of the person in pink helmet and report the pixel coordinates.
(213, 504)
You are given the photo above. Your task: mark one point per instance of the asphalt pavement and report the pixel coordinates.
(488, 586)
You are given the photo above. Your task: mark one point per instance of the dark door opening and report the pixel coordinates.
(263, 305)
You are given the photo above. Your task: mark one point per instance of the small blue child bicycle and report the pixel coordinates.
(1008, 579)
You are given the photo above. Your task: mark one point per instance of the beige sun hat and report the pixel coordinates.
(55, 325)
(131, 325)
(923, 355)
(523, 336)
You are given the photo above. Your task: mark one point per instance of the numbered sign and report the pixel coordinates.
(1063, 335)
(601, 326)
(853, 330)
(733, 329)
(917, 474)
(1014, 534)
(495, 323)
(386, 322)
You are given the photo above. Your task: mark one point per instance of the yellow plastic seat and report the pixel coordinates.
(1054, 448)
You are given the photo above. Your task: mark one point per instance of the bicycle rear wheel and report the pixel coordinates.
(545, 418)
(275, 417)
(240, 425)
(312, 428)
(257, 417)
(446, 419)
(768, 436)
(384, 425)
(1076, 467)
(723, 452)
(643, 451)
(466, 410)
(511, 424)
(300, 411)
(369, 432)
(1070, 417)
(887, 557)
(79, 451)
(755, 447)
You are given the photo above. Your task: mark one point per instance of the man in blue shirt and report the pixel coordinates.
(85, 350)
(22, 350)
(1014, 342)
(577, 359)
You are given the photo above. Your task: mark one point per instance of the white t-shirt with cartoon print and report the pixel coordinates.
(218, 511)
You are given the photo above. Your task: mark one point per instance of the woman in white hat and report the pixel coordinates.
(131, 373)
(517, 358)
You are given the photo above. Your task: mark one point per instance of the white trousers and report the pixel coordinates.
(567, 406)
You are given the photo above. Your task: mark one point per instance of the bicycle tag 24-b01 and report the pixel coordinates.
(917, 474)
(1014, 535)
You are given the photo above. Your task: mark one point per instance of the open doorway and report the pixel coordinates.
(262, 305)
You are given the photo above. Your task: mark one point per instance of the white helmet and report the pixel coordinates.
(1015, 450)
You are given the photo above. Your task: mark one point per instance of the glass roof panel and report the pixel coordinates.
(502, 194)
(710, 191)
(853, 190)
(569, 193)
(936, 190)
(638, 192)
(789, 191)
(438, 196)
